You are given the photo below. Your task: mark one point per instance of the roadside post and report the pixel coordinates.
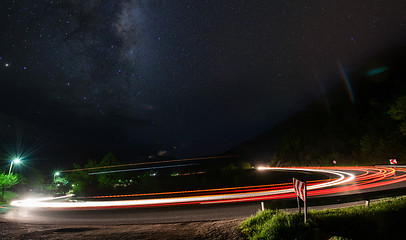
(301, 192)
(298, 204)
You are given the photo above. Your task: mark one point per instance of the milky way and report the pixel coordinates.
(184, 77)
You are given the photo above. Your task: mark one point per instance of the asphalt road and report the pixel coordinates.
(154, 215)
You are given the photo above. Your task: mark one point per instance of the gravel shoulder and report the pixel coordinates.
(224, 229)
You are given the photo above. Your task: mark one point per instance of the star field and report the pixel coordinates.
(195, 76)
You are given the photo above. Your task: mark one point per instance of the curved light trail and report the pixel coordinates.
(343, 179)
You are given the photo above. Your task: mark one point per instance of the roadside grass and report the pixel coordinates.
(381, 220)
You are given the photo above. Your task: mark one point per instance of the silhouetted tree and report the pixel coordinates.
(85, 184)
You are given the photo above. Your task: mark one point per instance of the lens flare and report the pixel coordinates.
(346, 81)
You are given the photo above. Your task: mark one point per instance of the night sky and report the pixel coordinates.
(189, 78)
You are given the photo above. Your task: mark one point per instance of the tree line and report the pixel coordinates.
(361, 124)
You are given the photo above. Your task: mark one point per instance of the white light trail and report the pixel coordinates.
(343, 177)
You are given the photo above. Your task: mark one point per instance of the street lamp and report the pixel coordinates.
(16, 161)
(56, 174)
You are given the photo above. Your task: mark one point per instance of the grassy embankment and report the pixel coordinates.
(382, 220)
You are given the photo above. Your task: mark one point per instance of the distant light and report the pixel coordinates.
(57, 173)
(16, 160)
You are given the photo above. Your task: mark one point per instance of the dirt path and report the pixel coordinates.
(225, 229)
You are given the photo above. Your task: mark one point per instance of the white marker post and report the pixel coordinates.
(298, 204)
(305, 201)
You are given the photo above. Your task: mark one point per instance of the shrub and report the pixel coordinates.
(276, 225)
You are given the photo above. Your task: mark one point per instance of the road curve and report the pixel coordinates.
(203, 205)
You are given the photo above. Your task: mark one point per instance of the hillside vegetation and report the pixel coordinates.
(362, 120)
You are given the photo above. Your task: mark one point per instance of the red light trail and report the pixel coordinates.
(341, 179)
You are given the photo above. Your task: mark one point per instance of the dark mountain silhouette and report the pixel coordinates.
(350, 124)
